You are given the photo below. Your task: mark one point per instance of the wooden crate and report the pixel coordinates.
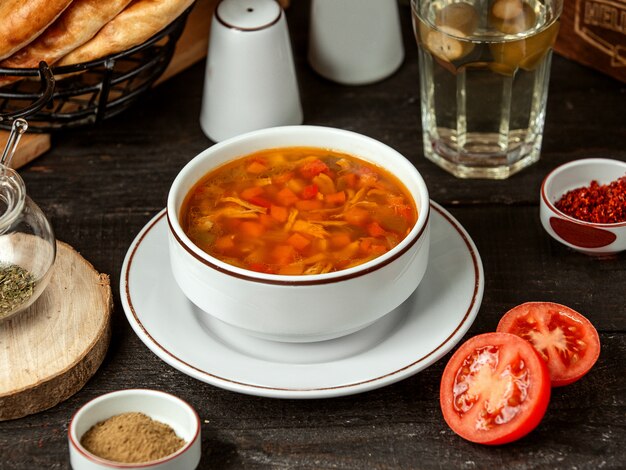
(593, 32)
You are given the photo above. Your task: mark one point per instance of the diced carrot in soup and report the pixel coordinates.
(283, 254)
(252, 229)
(336, 198)
(375, 230)
(298, 241)
(225, 243)
(279, 213)
(253, 191)
(256, 167)
(309, 205)
(284, 211)
(286, 197)
(339, 240)
(292, 269)
(266, 220)
(356, 216)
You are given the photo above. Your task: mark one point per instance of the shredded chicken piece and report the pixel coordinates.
(343, 163)
(203, 223)
(313, 229)
(235, 213)
(377, 192)
(359, 261)
(367, 204)
(245, 204)
(315, 258)
(316, 268)
(327, 268)
(293, 213)
(357, 197)
(263, 181)
(332, 223)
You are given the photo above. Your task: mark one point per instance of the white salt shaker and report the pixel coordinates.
(355, 42)
(250, 81)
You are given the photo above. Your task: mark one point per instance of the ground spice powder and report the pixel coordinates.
(131, 438)
(601, 204)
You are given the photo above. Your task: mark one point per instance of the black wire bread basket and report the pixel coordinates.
(83, 94)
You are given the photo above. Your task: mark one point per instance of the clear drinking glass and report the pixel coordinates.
(484, 72)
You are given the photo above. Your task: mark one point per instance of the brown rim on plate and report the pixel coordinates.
(475, 294)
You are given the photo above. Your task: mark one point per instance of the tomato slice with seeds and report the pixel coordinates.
(564, 338)
(495, 389)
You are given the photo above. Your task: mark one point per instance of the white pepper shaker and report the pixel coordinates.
(355, 42)
(250, 81)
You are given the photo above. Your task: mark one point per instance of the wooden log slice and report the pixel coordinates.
(48, 352)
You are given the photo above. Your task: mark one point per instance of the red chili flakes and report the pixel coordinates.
(602, 204)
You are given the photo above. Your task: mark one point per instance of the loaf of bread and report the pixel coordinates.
(22, 21)
(137, 23)
(76, 25)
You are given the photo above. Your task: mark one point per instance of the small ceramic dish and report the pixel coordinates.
(586, 237)
(160, 406)
(304, 308)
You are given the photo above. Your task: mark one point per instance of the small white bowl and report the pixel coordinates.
(308, 307)
(160, 406)
(586, 237)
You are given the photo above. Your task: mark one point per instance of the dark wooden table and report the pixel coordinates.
(101, 185)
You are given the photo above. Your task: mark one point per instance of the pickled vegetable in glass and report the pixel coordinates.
(484, 72)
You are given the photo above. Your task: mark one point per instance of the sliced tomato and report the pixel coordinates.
(565, 339)
(495, 389)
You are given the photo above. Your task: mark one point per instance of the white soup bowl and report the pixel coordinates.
(307, 307)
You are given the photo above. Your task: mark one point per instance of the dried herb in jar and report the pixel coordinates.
(131, 438)
(596, 203)
(16, 287)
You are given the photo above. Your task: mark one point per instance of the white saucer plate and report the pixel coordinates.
(405, 341)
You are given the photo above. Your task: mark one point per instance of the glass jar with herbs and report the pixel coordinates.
(27, 243)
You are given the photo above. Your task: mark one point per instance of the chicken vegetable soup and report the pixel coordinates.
(298, 210)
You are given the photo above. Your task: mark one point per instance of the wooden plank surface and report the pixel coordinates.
(101, 186)
(30, 147)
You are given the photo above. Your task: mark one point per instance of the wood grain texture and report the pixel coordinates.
(194, 42)
(50, 351)
(30, 147)
(593, 33)
(101, 185)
